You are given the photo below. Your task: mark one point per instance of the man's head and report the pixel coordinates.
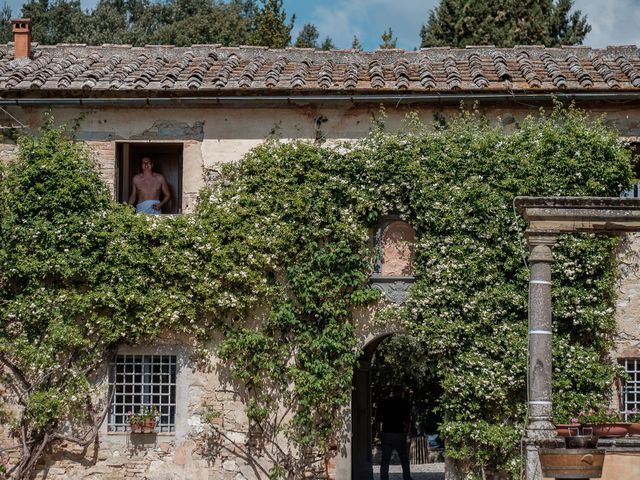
(398, 390)
(147, 164)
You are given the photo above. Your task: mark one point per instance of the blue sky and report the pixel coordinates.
(614, 22)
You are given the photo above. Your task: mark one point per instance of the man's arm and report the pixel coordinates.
(166, 193)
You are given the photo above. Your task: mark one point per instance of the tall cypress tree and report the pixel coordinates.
(504, 23)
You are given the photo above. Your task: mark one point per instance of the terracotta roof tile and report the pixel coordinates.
(454, 80)
(629, 70)
(427, 78)
(553, 69)
(257, 70)
(605, 71)
(475, 67)
(376, 74)
(527, 70)
(351, 75)
(325, 75)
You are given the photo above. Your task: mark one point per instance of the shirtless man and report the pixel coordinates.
(146, 190)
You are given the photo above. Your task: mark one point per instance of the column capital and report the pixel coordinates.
(535, 239)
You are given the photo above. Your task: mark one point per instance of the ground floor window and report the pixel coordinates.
(631, 387)
(167, 160)
(140, 382)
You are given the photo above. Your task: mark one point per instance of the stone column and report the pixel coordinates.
(540, 430)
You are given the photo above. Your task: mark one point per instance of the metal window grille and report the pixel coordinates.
(143, 381)
(631, 387)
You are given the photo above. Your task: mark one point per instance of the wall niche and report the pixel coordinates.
(393, 271)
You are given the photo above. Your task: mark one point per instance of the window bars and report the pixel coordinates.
(631, 387)
(140, 382)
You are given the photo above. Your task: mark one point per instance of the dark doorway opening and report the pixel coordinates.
(167, 160)
(387, 361)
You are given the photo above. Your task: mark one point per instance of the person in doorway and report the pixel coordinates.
(147, 187)
(395, 415)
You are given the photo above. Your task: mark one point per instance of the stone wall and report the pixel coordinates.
(223, 446)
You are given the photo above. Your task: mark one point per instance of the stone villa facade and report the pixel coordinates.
(194, 109)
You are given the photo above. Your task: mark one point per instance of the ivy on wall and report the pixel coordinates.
(277, 257)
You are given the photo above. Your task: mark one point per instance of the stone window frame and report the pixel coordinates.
(121, 195)
(160, 394)
(183, 380)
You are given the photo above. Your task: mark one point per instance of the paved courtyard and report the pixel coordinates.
(428, 471)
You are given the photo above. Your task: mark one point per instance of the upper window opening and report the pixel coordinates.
(150, 176)
(634, 192)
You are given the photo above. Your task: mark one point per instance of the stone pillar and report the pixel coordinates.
(540, 430)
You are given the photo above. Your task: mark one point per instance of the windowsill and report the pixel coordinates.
(158, 434)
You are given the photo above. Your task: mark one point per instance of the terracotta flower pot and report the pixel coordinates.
(148, 426)
(612, 430)
(634, 429)
(567, 429)
(136, 427)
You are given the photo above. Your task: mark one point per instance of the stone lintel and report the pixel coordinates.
(579, 214)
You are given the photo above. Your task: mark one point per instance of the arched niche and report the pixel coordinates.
(393, 272)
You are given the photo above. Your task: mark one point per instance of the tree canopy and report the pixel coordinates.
(174, 22)
(504, 23)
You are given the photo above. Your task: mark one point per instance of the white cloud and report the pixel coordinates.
(613, 22)
(369, 18)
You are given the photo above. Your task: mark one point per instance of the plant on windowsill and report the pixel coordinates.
(604, 422)
(633, 416)
(143, 421)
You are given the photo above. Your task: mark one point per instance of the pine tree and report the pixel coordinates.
(327, 44)
(271, 28)
(308, 37)
(388, 40)
(504, 23)
(6, 34)
(60, 21)
(355, 43)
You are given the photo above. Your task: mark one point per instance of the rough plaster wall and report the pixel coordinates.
(627, 339)
(8, 152)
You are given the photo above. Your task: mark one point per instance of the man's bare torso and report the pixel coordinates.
(148, 187)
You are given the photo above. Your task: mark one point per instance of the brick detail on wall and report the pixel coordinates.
(105, 154)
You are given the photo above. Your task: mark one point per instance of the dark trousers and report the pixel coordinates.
(397, 442)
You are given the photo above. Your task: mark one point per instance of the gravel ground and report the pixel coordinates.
(428, 471)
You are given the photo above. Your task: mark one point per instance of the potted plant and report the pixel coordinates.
(135, 422)
(604, 422)
(570, 429)
(144, 421)
(149, 419)
(633, 416)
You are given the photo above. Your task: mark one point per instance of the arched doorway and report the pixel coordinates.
(373, 380)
